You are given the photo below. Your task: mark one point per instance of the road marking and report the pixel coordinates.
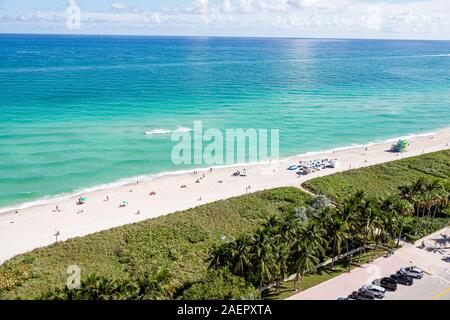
(441, 294)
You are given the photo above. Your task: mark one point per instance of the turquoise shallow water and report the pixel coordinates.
(75, 108)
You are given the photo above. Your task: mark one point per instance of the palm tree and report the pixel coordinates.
(263, 256)
(404, 209)
(220, 255)
(240, 259)
(339, 234)
(307, 249)
(367, 211)
(154, 286)
(235, 255)
(281, 258)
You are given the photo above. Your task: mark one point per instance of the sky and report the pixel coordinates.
(381, 19)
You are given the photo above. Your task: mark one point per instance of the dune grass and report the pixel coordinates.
(178, 242)
(383, 179)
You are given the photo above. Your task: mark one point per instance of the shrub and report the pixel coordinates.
(221, 285)
(14, 275)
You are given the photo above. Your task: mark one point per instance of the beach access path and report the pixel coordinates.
(30, 228)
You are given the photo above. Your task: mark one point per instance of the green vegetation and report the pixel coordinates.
(227, 249)
(221, 285)
(384, 179)
(151, 287)
(300, 241)
(13, 275)
(417, 228)
(178, 243)
(321, 275)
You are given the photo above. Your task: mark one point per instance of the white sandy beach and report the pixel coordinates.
(35, 227)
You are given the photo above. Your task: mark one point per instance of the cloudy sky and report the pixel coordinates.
(399, 19)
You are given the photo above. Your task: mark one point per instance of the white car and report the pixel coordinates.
(376, 290)
(412, 272)
(414, 269)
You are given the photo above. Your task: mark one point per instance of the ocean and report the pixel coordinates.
(75, 109)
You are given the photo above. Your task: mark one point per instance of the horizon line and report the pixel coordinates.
(214, 36)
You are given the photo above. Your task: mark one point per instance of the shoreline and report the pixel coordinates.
(128, 181)
(36, 225)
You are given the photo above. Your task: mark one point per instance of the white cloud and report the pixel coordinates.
(321, 18)
(201, 6)
(119, 6)
(374, 18)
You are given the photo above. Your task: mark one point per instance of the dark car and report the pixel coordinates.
(359, 295)
(387, 283)
(402, 279)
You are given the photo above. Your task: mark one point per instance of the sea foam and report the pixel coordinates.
(162, 131)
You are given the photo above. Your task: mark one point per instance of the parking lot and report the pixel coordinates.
(436, 287)
(430, 254)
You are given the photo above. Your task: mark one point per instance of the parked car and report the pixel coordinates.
(387, 283)
(359, 295)
(403, 279)
(414, 269)
(377, 291)
(411, 273)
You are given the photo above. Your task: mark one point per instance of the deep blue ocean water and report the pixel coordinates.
(74, 109)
